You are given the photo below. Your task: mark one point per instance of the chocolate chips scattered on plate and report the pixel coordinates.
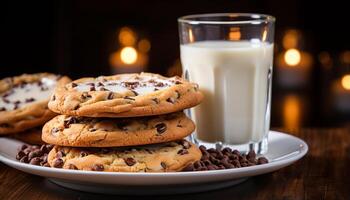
(226, 158)
(34, 154)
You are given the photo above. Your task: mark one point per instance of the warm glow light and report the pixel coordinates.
(291, 111)
(292, 57)
(127, 36)
(345, 82)
(290, 39)
(144, 45)
(235, 33)
(128, 55)
(345, 57)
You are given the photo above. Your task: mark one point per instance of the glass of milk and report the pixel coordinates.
(230, 56)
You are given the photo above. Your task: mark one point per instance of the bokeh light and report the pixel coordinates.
(127, 37)
(345, 82)
(128, 55)
(292, 57)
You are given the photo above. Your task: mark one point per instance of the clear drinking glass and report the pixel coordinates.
(230, 56)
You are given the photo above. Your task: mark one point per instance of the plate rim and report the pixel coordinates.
(302, 152)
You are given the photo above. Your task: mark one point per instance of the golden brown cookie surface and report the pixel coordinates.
(24, 99)
(125, 95)
(165, 157)
(107, 132)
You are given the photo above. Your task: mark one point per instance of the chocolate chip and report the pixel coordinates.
(170, 100)
(236, 152)
(110, 95)
(178, 95)
(58, 163)
(24, 159)
(53, 97)
(112, 84)
(55, 130)
(46, 165)
(24, 146)
(2, 109)
(44, 158)
(149, 151)
(84, 153)
(74, 85)
(156, 100)
(163, 165)
(161, 128)
(60, 154)
(76, 107)
(131, 85)
(130, 161)
(6, 95)
(103, 89)
(71, 166)
(20, 155)
(91, 84)
(85, 95)
(99, 84)
(44, 88)
(182, 152)
(35, 161)
(92, 129)
(197, 164)
(135, 93)
(202, 148)
(178, 82)
(213, 159)
(69, 121)
(159, 84)
(129, 98)
(92, 88)
(16, 107)
(35, 153)
(262, 160)
(185, 144)
(156, 89)
(98, 167)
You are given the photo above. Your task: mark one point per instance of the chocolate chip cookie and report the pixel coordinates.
(114, 132)
(164, 157)
(125, 95)
(23, 101)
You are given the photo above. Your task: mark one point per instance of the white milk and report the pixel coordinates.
(234, 79)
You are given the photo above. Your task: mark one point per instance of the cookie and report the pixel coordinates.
(164, 157)
(31, 136)
(115, 132)
(24, 99)
(125, 95)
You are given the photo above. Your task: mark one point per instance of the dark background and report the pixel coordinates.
(76, 38)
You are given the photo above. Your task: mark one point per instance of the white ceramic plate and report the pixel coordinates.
(283, 150)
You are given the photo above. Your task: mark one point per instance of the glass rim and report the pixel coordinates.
(255, 18)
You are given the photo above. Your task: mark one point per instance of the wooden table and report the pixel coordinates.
(323, 174)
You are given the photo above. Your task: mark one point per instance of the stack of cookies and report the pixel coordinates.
(127, 122)
(23, 104)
